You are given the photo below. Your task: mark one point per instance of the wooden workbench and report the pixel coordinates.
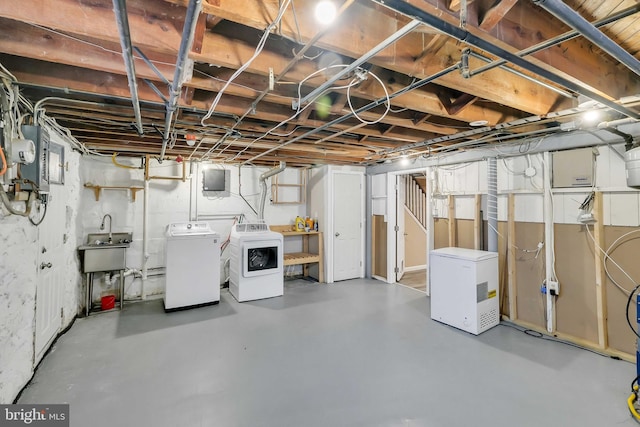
(305, 257)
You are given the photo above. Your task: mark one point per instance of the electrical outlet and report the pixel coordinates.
(554, 287)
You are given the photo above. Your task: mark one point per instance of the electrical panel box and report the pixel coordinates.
(38, 170)
(572, 168)
(464, 288)
(216, 182)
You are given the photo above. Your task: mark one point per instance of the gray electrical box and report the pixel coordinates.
(572, 168)
(38, 171)
(216, 182)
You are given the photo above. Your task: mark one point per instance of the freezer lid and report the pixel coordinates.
(189, 229)
(464, 253)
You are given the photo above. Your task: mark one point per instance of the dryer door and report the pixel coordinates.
(261, 258)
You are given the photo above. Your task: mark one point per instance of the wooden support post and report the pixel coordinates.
(601, 282)
(477, 222)
(452, 221)
(511, 257)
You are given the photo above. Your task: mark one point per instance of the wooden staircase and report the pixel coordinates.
(415, 198)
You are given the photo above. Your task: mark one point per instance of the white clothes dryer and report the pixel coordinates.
(256, 262)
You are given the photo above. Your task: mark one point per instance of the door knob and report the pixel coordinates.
(47, 265)
(337, 234)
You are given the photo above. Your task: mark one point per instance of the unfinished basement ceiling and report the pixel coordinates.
(71, 50)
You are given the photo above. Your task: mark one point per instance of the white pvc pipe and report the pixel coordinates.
(145, 239)
(429, 224)
(548, 241)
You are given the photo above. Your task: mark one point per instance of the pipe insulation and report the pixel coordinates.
(573, 19)
(263, 185)
(122, 19)
(492, 204)
(190, 21)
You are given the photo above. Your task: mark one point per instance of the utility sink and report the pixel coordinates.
(102, 254)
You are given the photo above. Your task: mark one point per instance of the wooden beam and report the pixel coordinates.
(420, 118)
(511, 257)
(495, 85)
(198, 36)
(462, 102)
(491, 17)
(454, 5)
(158, 24)
(601, 280)
(573, 60)
(216, 51)
(25, 40)
(212, 21)
(431, 49)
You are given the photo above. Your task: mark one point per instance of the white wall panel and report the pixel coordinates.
(528, 208)
(379, 185)
(465, 207)
(610, 172)
(621, 209)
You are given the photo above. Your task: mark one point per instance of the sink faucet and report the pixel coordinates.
(110, 223)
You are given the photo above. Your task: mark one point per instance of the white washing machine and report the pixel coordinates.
(255, 266)
(192, 266)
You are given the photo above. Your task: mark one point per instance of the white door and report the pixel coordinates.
(49, 287)
(401, 181)
(347, 220)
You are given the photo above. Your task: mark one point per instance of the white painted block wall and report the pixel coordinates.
(19, 275)
(173, 201)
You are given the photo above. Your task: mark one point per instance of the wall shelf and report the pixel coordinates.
(97, 189)
(305, 257)
(279, 189)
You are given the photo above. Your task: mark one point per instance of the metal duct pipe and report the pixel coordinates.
(190, 20)
(120, 10)
(408, 9)
(492, 204)
(573, 19)
(263, 184)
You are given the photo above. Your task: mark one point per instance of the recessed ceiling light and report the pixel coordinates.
(325, 12)
(479, 123)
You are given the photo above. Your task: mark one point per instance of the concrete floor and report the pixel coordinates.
(355, 353)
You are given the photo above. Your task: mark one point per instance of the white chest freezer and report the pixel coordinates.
(464, 288)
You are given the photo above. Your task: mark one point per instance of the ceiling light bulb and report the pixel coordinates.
(591, 116)
(404, 160)
(325, 12)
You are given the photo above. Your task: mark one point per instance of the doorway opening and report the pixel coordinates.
(411, 230)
